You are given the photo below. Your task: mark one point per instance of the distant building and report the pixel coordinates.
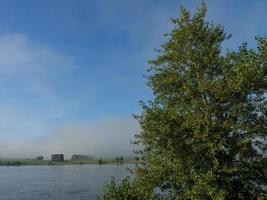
(39, 158)
(57, 157)
(80, 157)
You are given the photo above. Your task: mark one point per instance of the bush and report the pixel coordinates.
(126, 190)
(100, 161)
(117, 159)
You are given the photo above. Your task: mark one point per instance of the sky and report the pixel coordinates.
(71, 72)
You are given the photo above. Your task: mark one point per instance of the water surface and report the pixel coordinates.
(67, 182)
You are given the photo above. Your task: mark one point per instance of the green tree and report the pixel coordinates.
(100, 161)
(136, 158)
(117, 159)
(204, 134)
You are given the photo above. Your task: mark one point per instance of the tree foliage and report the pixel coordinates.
(204, 134)
(127, 189)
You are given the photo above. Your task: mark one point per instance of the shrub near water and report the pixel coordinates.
(126, 189)
(203, 134)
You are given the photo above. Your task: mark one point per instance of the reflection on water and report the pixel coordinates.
(68, 182)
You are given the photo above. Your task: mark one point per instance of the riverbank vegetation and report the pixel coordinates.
(24, 162)
(204, 133)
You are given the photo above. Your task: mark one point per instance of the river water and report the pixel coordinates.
(67, 182)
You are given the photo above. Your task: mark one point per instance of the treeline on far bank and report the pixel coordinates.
(100, 161)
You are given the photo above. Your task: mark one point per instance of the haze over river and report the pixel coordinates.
(66, 182)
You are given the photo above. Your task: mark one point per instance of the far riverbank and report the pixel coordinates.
(25, 162)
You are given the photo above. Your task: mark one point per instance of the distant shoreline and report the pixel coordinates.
(18, 162)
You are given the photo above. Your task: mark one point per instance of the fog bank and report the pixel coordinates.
(108, 137)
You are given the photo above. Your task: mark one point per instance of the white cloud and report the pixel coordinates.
(17, 122)
(19, 54)
(26, 68)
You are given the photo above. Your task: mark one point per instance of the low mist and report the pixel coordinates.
(105, 138)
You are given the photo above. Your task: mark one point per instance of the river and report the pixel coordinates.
(66, 182)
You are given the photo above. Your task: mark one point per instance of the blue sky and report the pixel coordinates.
(75, 68)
